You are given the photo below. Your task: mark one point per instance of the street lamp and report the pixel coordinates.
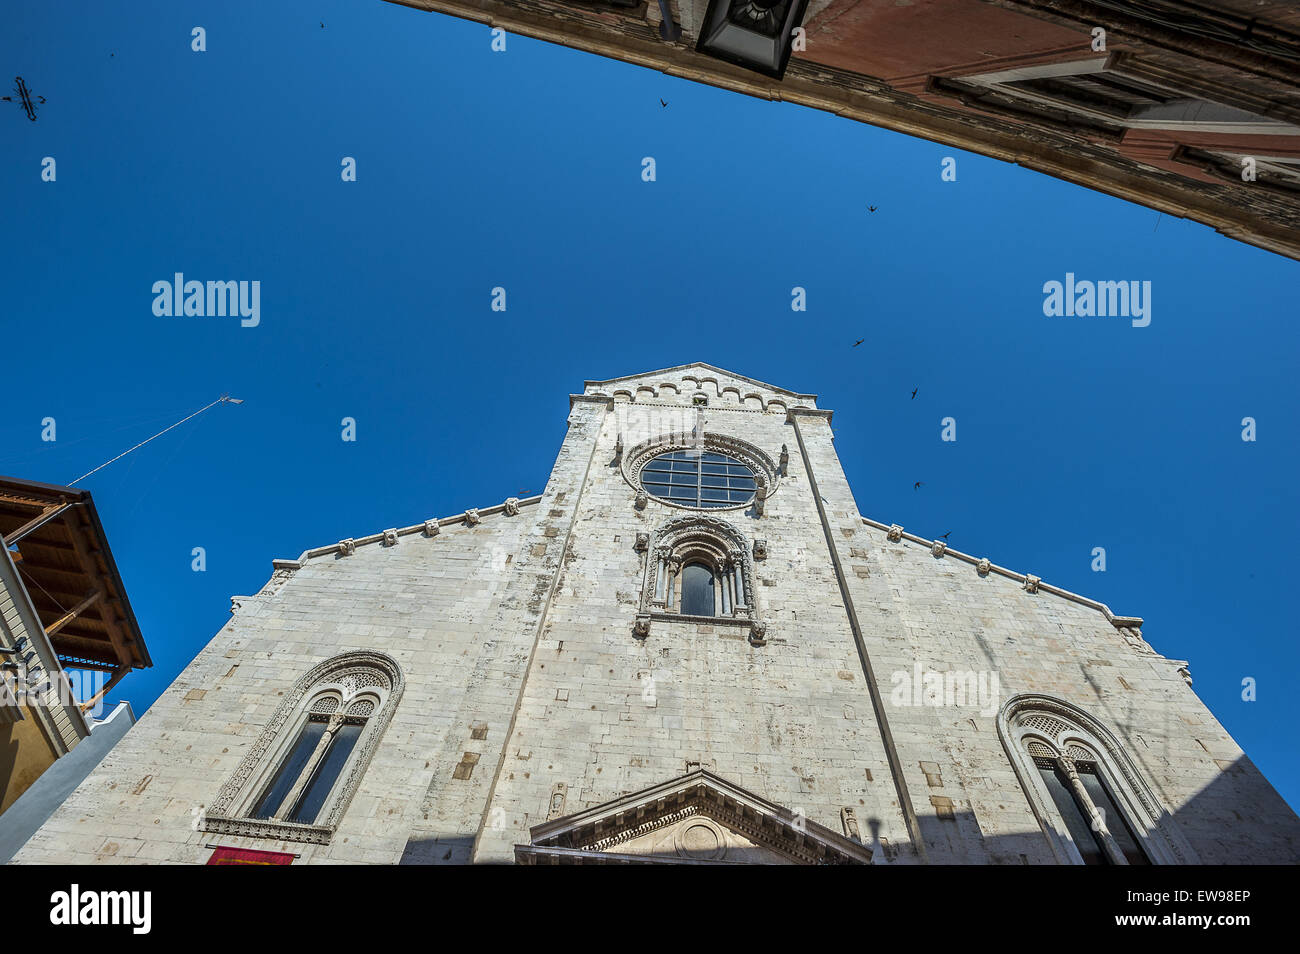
(755, 34)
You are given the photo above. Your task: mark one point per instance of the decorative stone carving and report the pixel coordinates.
(618, 449)
(1133, 636)
(760, 549)
(641, 500)
(432, 528)
(784, 462)
(641, 627)
(983, 567)
(642, 542)
(849, 818)
(347, 547)
(390, 537)
(1063, 730)
(697, 817)
(559, 794)
(758, 632)
(635, 457)
(512, 506)
(355, 669)
(1031, 583)
(1186, 673)
(895, 533)
(471, 517)
(938, 548)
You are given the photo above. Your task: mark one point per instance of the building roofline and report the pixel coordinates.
(701, 364)
(940, 548)
(440, 522)
(84, 499)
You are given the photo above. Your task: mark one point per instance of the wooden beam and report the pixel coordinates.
(107, 614)
(113, 680)
(73, 613)
(45, 516)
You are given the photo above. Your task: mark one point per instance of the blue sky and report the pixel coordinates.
(522, 169)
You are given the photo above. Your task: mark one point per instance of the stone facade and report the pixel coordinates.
(541, 706)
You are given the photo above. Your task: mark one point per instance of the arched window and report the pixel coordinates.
(697, 590)
(1097, 827)
(312, 766)
(302, 772)
(699, 567)
(1089, 797)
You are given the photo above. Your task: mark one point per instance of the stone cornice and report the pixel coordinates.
(605, 399)
(794, 412)
(895, 533)
(466, 517)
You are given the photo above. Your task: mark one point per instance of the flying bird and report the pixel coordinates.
(945, 536)
(871, 208)
(917, 485)
(661, 102)
(913, 394)
(322, 26)
(858, 342)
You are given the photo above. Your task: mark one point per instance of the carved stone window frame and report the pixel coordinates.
(1034, 725)
(766, 472)
(346, 681)
(708, 539)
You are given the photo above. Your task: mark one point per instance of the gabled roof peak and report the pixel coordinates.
(700, 370)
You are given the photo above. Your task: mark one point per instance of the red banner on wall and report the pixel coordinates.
(246, 856)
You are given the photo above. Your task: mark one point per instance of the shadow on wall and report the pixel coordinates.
(427, 848)
(1237, 819)
(8, 760)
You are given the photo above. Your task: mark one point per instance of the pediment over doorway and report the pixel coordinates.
(698, 818)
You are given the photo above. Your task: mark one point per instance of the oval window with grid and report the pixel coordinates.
(692, 478)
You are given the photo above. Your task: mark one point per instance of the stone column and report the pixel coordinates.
(674, 568)
(1096, 819)
(738, 582)
(661, 577)
(318, 753)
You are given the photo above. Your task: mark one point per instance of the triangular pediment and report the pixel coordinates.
(698, 818)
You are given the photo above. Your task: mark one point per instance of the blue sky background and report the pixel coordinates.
(522, 169)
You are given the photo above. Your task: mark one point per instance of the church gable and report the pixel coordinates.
(698, 818)
(687, 382)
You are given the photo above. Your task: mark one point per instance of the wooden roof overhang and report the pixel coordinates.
(63, 558)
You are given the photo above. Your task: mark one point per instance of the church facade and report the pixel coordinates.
(691, 648)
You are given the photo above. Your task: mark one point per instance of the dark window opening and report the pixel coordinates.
(697, 590)
(290, 770)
